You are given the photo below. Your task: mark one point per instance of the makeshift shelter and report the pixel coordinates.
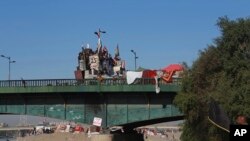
(171, 70)
(148, 73)
(173, 67)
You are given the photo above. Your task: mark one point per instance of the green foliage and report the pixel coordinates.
(222, 71)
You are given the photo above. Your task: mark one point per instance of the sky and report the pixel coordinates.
(44, 37)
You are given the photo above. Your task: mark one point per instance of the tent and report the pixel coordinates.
(173, 67)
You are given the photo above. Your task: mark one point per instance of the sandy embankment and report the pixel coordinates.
(84, 137)
(78, 137)
(56, 137)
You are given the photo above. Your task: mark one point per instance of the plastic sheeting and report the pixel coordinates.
(132, 75)
(173, 67)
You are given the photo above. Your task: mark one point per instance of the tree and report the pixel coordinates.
(222, 71)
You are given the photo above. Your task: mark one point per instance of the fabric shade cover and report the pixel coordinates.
(173, 67)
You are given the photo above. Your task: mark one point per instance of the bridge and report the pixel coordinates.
(113, 100)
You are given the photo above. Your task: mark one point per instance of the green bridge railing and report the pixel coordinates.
(85, 82)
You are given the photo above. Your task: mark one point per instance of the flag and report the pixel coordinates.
(217, 116)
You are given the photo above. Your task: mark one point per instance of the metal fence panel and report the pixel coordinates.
(95, 108)
(117, 111)
(55, 108)
(137, 107)
(75, 110)
(160, 106)
(2, 105)
(15, 105)
(35, 106)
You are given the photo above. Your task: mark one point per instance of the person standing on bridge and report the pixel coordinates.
(23, 82)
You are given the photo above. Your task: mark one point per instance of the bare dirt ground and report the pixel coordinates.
(56, 137)
(84, 137)
(74, 137)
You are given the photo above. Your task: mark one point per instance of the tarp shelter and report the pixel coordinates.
(148, 74)
(173, 67)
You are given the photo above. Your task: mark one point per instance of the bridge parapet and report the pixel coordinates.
(87, 85)
(75, 82)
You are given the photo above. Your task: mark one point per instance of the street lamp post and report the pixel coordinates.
(10, 61)
(136, 57)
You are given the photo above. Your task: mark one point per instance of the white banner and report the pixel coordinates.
(82, 65)
(94, 62)
(97, 121)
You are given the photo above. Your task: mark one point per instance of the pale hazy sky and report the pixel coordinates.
(44, 37)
